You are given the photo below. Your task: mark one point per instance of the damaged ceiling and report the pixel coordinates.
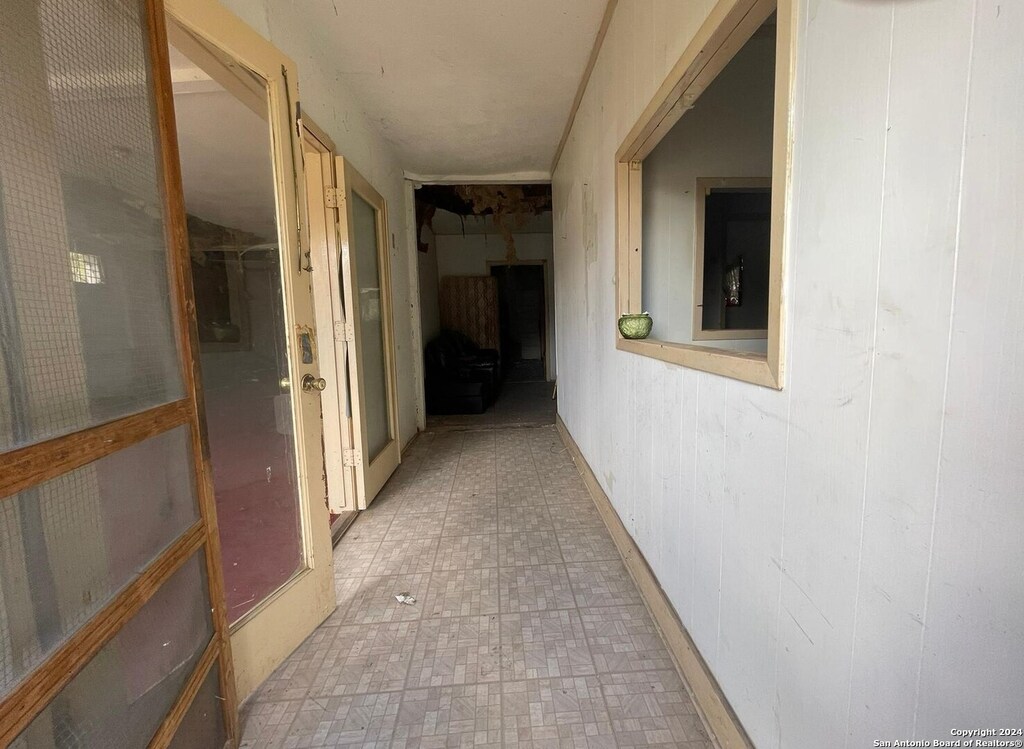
(482, 200)
(468, 90)
(509, 207)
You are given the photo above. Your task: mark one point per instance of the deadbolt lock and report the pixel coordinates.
(311, 383)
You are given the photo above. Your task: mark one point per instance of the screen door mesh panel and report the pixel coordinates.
(203, 724)
(85, 305)
(123, 694)
(64, 549)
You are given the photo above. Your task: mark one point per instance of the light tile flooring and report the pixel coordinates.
(527, 630)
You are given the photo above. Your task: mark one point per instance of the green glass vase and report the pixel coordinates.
(635, 326)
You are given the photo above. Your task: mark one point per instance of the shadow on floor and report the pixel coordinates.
(521, 404)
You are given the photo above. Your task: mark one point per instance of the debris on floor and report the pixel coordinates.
(407, 598)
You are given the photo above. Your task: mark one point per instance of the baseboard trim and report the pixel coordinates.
(717, 714)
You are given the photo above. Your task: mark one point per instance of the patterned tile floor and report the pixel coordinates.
(527, 630)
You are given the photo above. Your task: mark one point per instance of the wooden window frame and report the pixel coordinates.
(704, 186)
(729, 26)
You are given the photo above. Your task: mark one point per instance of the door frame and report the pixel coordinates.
(412, 252)
(371, 473)
(319, 155)
(271, 631)
(42, 461)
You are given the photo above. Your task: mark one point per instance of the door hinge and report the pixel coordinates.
(351, 458)
(344, 332)
(332, 197)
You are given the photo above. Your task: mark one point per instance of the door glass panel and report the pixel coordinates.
(85, 310)
(121, 697)
(371, 323)
(224, 140)
(63, 549)
(203, 724)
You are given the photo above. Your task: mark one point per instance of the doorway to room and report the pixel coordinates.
(486, 301)
(522, 318)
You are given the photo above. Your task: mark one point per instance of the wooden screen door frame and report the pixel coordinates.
(265, 636)
(40, 462)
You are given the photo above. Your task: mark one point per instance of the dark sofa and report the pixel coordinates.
(461, 377)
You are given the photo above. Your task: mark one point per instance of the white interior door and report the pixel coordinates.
(369, 354)
(235, 104)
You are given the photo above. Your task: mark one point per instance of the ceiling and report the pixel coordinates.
(464, 90)
(467, 91)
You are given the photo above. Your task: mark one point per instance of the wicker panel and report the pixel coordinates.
(469, 304)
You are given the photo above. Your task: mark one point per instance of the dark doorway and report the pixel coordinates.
(522, 320)
(737, 247)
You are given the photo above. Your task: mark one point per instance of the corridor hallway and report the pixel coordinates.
(526, 630)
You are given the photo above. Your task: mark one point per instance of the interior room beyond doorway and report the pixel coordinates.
(486, 300)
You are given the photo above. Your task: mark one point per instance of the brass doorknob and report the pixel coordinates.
(311, 383)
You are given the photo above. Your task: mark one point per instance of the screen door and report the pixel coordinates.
(112, 626)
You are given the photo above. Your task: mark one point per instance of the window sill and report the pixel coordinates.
(739, 365)
(730, 335)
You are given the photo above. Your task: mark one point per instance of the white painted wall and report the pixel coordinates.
(468, 255)
(727, 134)
(846, 553)
(326, 100)
(430, 315)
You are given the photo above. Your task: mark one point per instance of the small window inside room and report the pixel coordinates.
(700, 200)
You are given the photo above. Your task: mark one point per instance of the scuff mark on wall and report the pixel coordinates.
(609, 481)
(589, 224)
